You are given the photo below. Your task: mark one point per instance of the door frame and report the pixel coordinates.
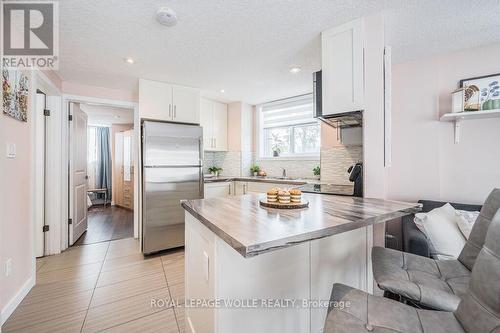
(52, 175)
(64, 227)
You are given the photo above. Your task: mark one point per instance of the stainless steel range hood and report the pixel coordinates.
(338, 120)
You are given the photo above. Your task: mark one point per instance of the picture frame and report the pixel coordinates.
(486, 92)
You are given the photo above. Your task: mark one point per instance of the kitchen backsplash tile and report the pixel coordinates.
(294, 168)
(336, 160)
(230, 162)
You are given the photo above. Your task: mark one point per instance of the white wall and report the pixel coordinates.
(426, 164)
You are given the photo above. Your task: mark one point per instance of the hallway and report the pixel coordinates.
(106, 286)
(106, 224)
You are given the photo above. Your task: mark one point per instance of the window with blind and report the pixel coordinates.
(287, 128)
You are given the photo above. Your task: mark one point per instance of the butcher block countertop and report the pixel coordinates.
(251, 229)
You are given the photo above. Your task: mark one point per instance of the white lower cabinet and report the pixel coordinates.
(222, 189)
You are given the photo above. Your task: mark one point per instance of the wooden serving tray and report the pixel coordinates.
(291, 205)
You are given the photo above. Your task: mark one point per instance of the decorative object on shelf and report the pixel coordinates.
(488, 92)
(317, 171)
(214, 170)
(465, 99)
(254, 169)
(15, 88)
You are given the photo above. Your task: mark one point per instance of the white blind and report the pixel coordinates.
(290, 111)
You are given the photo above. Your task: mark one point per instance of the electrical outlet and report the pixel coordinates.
(8, 267)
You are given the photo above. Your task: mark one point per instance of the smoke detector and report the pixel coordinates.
(166, 16)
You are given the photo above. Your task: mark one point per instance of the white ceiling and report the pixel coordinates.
(247, 47)
(106, 115)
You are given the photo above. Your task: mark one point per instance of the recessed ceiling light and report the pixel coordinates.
(295, 70)
(222, 91)
(166, 16)
(129, 60)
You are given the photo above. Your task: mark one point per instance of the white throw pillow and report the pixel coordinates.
(440, 227)
(465, 221)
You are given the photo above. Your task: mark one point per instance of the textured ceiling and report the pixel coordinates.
(247, 47)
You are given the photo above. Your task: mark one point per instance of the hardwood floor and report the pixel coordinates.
(107, 286)
(107, 223)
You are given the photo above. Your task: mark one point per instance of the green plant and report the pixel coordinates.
(317, 171)
(214, 169)
(254, 168)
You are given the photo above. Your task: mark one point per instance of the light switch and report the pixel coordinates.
(11, 150)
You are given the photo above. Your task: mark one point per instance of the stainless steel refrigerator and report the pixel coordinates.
(172, 157)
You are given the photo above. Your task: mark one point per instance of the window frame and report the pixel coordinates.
(260, 136)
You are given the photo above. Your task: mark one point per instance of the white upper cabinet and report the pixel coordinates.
(163, 101)
(343, 68)
(186, 104)
(220, 126)
(213, 118)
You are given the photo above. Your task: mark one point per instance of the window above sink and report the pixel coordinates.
(287, 129)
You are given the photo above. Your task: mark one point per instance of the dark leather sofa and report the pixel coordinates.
(414, 240)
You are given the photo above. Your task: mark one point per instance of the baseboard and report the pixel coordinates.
(9, 308)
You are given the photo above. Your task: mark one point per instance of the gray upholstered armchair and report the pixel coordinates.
(414, 240)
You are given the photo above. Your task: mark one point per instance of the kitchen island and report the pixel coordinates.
(269, 270)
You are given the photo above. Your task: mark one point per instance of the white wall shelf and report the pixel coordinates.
(457, 118)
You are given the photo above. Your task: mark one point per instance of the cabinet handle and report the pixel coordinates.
(215, 142)
(175, 111)
(170, 110)
(244, 188)
(229, 189)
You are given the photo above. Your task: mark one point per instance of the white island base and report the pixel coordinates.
(306, 271)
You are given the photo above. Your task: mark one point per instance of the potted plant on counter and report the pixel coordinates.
(317, 172)
(214, 170)
(254, 169)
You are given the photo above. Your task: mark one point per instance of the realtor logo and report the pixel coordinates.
(30, 34)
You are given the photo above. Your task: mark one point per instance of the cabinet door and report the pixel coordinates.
(343, 68)
(155, 100)
(186, 103)
(215, 190)
(220, 126)
(240, 188)
(206, 121)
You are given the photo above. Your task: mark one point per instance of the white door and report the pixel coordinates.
(220, 126)
(78, 173)
(40, 176)
(186, 105)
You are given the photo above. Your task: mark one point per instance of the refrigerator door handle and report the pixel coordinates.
(170, 110)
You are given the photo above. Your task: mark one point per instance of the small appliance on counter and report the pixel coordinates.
(356, 176)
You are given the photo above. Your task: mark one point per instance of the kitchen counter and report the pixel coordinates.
(237, 250)
(251, 229)
(297, 182)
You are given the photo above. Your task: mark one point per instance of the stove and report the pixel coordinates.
(346, 190)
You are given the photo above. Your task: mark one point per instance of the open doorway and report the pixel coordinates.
(102, 173)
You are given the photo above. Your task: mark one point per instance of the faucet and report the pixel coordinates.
(283, 175)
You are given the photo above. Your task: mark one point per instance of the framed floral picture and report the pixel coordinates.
(15, 89)
(486, 91)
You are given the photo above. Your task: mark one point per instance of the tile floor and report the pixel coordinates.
(104, 287)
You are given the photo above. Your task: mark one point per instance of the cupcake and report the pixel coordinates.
(295, 195)
(272, 195)
(284, 197)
